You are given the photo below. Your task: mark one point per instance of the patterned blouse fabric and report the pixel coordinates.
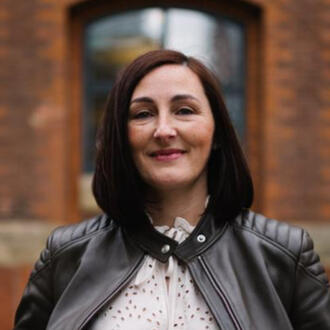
(162, 296)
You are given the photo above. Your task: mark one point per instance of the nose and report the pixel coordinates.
(164, 129)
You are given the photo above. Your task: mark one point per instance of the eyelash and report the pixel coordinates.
(143, 114)
(184, 109)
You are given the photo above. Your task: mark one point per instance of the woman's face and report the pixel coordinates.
(170, 128)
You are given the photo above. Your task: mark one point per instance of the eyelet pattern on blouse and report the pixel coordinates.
(161, 296)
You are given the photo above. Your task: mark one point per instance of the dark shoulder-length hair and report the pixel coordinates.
(117, 186)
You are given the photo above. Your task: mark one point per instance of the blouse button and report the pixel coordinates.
(165, 248)
(201, 238)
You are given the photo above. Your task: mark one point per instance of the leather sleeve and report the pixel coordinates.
(36, 304)
(311, 304)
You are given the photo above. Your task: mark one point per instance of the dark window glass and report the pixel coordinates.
(114, 41)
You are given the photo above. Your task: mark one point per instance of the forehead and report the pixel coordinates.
(169, 79)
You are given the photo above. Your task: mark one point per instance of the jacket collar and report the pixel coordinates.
(162, 247)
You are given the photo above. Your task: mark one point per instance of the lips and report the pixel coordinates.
(167, 154)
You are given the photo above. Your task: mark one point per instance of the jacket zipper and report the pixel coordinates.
(122, 284)
(221, 294)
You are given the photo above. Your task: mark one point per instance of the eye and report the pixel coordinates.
(143, 114)
(185, 111)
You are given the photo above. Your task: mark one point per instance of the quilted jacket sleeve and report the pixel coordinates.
(311, 305)
(36, 304)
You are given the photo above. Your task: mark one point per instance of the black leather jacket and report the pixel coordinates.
(254, 273)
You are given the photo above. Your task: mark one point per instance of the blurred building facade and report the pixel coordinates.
(58, 61)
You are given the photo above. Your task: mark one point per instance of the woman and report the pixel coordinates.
(178, 247)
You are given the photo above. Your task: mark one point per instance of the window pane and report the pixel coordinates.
(219, 43)
(112, 42)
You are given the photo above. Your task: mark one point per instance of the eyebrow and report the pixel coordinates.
(178, 97)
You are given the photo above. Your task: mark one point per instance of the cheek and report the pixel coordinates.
(133, 138)
(204, 137)
(137, 139)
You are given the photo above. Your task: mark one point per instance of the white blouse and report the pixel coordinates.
(162, 295)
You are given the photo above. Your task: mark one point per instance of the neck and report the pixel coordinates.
(186, 203)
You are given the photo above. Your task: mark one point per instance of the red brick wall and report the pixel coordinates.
(297, 106)
(33, 111)
(38, 178)
(12, 283)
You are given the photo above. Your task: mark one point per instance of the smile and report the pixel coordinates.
(167, 154)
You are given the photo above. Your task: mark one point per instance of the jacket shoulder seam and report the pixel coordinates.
(37, 273)
(306, 269)
(283, 248)
(56, 251)
(314, 277)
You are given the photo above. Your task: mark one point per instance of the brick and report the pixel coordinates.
(12, 283)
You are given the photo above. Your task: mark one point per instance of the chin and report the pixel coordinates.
(171, 184)
(174, 180)
(168, 183)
